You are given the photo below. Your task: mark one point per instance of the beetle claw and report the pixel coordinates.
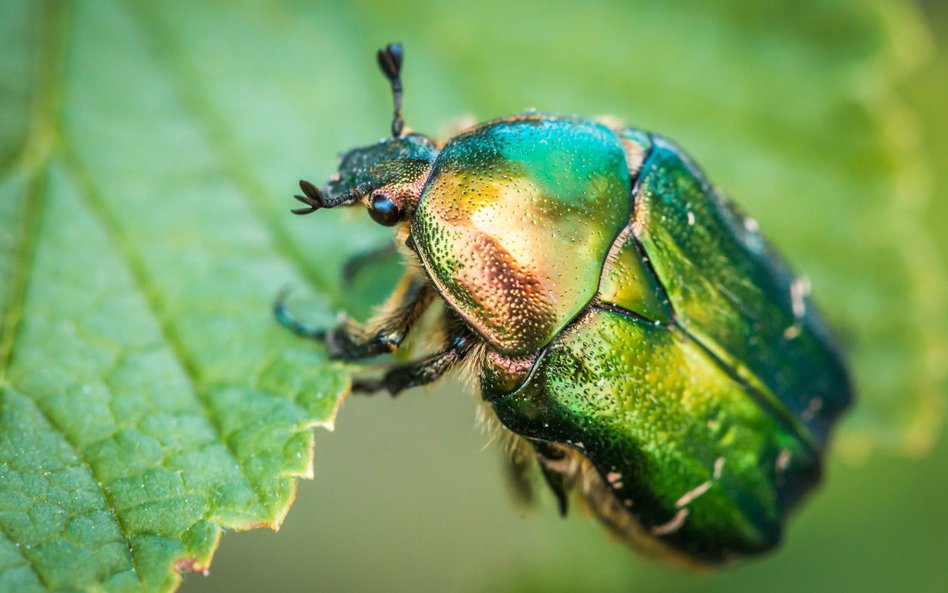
(285, 318)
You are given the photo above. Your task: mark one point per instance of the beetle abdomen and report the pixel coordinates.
(685, 447)
(516, 221)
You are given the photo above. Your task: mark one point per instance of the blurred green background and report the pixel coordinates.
(825, 120)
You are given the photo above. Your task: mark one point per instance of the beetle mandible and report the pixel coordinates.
(634, 331)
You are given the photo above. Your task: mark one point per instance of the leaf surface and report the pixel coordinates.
(148, 399)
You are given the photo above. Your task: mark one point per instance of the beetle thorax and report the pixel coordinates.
(516, 220)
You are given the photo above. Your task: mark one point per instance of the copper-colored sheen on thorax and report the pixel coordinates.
(516, 223)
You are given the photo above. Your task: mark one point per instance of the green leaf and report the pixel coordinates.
(148, 399)
(147, 156)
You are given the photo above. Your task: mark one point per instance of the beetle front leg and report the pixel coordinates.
(421, 372)
(382, 335)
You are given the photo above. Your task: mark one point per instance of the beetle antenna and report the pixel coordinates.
(390, 62)
(314, 198)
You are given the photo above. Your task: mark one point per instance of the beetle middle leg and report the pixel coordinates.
(458, 344)
(381, 335)
(355, 264)
(558, 472)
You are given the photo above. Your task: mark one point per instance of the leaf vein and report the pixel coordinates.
(141, 279)
(214, 128)
(80, 455)
(26, 560)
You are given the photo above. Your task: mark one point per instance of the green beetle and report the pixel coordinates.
(631, 328)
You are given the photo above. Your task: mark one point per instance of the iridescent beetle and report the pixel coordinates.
(632, 329)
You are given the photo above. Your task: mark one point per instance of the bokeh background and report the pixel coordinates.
(826, 120)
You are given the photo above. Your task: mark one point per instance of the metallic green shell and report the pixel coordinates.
(701, 383)
(703, 462)
(629, 283)
(733, 293)
(516, 220)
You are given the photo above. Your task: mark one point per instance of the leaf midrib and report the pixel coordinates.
(33, 159)
(213, 126)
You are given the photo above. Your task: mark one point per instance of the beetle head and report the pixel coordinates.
(386, 177)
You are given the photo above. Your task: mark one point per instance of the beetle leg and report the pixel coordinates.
(558, 480)
(519, 464)
(355, 264)
(382, 335)
(458, 344)
(385, 332)
(290, 322)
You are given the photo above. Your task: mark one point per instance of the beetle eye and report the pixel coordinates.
(383, 210)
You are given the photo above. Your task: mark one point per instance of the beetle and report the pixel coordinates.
(631, 329)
